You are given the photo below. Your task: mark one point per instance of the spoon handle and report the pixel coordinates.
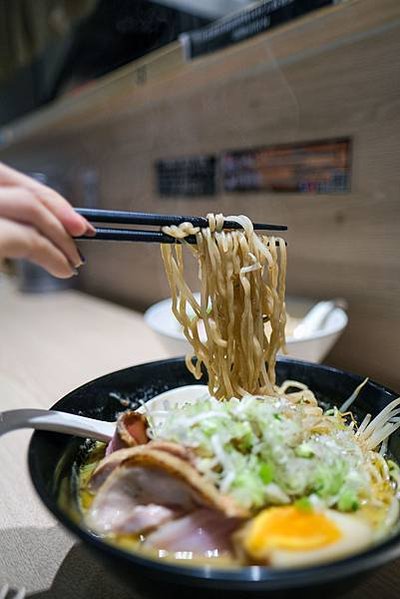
(59, 422)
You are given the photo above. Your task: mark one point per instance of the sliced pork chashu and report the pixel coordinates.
(130, 431)
(150, 487)
(201, 532)
(117, 457)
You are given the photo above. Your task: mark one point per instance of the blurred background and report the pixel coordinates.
(285, 110)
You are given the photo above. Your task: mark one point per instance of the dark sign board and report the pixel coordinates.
(317, 167)
(245, 24)
(190, 176)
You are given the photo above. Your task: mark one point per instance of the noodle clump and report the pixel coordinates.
(242, 277)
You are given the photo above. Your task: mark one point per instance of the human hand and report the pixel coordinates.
(38, 224)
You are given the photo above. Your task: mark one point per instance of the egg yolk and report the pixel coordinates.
(289, 528)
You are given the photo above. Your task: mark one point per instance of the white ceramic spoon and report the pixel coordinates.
(81, 426)
(59, 422)
(316, 318)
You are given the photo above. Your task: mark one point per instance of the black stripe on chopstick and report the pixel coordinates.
(138, 235)
(160, 220)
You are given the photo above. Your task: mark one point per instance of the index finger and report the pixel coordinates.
(74, 223)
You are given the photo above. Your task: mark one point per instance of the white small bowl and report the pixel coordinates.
(312, 348)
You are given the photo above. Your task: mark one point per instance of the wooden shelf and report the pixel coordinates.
(165, 73)
(95, 100)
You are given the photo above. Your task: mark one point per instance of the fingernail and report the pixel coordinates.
(91, 231)
(75, 272)
(82, 261)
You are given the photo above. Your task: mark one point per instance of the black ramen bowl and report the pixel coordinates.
(52, 457)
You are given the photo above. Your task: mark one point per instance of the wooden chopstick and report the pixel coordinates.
(111, 234)
(95, 215)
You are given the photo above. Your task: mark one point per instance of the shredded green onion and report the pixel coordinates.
(266, 450)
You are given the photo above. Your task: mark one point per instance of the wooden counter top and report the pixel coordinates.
(50, 344)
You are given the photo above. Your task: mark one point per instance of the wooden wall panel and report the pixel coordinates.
(301, 83)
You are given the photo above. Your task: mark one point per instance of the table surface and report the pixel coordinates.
(50, 344)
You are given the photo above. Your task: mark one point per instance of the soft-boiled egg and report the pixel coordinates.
(287, 536)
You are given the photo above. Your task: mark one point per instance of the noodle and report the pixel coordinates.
(242, 277)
